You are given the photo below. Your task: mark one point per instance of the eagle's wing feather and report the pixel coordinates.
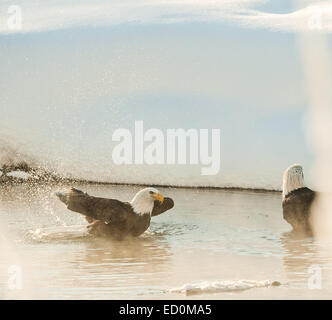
(159, 207)
(94, 208)
(296, 208)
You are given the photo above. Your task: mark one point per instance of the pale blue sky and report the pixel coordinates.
(64, 91)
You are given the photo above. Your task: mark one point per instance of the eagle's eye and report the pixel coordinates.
(151, 192)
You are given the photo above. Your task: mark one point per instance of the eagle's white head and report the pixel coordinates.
(143, 201)
(293, 179)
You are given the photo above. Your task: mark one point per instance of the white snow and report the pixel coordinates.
(19, 175)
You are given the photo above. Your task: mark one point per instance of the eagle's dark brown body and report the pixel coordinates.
(297, 209)
(111, 217)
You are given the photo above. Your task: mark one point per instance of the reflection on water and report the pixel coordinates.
(210, 235)
(301, 254)
(119, 267)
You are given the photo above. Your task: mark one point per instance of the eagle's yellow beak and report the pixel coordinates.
(159, 197)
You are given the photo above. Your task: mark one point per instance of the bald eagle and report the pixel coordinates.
(297, 200)
(114, 218)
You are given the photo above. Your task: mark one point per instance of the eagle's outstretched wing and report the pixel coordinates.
(159, 207)
(94, 208)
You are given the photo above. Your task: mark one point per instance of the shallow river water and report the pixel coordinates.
(214, 244)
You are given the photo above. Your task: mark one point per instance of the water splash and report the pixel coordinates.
(222, 286)
(65, 233)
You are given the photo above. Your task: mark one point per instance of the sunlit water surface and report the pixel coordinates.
(210, 235)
